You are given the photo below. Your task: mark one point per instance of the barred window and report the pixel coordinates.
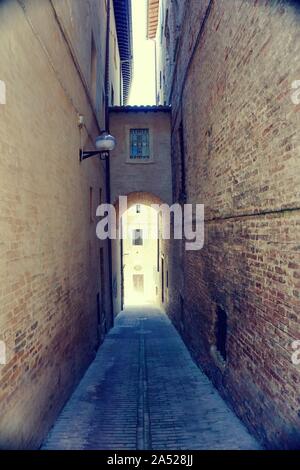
(139, 144)
(137, 237)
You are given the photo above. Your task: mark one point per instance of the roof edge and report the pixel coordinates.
(152, 18)
(123, 18)
(141, 109)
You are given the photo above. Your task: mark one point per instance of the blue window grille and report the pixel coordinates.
(139, 144)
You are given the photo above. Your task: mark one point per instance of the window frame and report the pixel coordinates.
(139, 161)
(141, 237)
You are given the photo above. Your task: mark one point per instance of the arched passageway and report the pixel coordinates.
(140, 247)
(139, 254)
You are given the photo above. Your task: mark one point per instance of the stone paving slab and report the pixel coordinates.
(143, 391)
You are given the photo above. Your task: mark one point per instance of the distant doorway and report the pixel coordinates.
(138, 283)
(139, 255)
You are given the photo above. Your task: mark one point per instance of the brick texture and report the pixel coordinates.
(50, 267)
(231, 91)
(158, 408)
(143, 183)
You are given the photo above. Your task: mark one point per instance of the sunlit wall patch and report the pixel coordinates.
(2, 92)
(296, 354)
(295, 96)
(2, 353)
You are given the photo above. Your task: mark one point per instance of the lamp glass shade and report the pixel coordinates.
(105, 142)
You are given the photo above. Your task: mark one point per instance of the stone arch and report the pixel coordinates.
(138, 197)
(133, 198)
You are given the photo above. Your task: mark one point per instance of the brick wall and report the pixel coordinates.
(50, 267)
(131, 176)
(232, 94)
(143, 183)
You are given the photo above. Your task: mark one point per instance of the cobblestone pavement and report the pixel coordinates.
(143, 391)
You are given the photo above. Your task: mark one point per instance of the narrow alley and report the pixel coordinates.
(149, 225)
(143, 391)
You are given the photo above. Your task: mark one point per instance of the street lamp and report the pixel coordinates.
(104, 144)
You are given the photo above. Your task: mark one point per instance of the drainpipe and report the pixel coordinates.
(107, 64)
(107, 160)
